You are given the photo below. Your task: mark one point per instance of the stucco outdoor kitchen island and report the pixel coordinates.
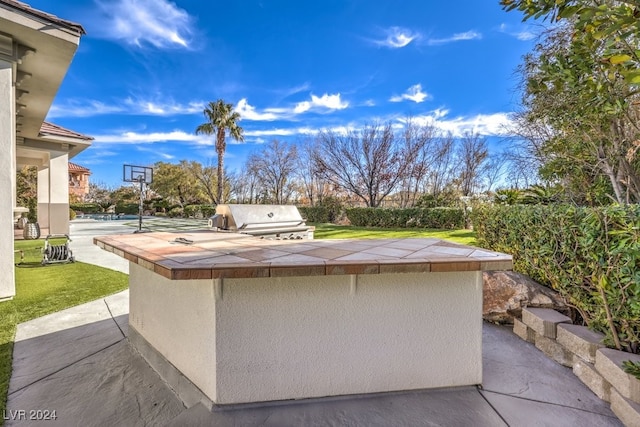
(245, 319)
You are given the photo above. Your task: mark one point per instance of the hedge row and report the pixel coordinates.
(444, 218)
(318, 214)
(591, 256)
(199, 211)
(86, 207)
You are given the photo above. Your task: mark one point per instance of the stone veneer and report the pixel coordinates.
(598, 367)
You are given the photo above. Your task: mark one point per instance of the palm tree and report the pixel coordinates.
(220, 118)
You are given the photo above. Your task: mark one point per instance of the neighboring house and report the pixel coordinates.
(78, 181)
(36, 49)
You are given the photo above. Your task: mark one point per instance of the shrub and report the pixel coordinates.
(207, 210)
(86, 207)
(128, 208)
(591, 256)
(176, 212)
(444, 218)
(199, 211)
(32, 204)
(191, 210)
(72, 214)
(317, 214)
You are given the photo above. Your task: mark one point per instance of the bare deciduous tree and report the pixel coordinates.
(243, 187)
(472, 157)
(274, 168)
(441, 173)
(314, 186)
(420, 152)
(368, 163)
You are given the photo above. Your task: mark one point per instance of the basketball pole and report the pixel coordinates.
(140, 206)
(142, 175)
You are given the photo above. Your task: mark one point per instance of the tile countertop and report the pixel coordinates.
(206, 255)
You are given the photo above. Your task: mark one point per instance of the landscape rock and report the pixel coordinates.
(506, 293)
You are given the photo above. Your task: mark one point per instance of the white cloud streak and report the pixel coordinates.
(496, 124)
(324, 103)
(397, 37)
(129, 106)
(83, 108)
(158, 23)
(328, 102)
(467, 35)
(414, 93)
(129, 137)
(522, 35)
(148, 107)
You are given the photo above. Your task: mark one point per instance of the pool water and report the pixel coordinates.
(107, 217)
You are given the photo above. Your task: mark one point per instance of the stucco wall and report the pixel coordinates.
(283, 338)
(177, 318)
(253, 340)
(7, 180)
(53, 195)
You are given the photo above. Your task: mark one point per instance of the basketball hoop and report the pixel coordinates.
(143, 175)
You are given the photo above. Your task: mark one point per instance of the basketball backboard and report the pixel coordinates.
(131, 173)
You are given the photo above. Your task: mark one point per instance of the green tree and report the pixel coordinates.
(609, 28)
(176, 183)
(206, 176)
(26, 185)
(100, 193)
(581, 115)
(220, 119)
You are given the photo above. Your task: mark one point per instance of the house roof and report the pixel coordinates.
(77, 168)
(23, 7)
(55, 130)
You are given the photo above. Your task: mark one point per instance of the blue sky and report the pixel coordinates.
(145, 69)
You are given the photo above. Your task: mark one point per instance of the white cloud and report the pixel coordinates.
(343, 130)
(467, 35)
(397, 37)
(495, 124)
(248, 112)
(129, 137)
(281, 132)
(159, 23)
(325, 102)
(525, 35)
(330, 102)
(414, 93)
(129, 106)
(154, 150)
(83, 108)
(522, 35)
(168, 108)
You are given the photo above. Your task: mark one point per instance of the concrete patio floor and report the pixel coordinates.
(78, 362)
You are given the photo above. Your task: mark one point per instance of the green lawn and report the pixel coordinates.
(331, 231)
(42, 290)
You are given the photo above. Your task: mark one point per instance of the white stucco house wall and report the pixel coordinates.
(36, 49)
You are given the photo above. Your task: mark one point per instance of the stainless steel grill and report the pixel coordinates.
(264, 221)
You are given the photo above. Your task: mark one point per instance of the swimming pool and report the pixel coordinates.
(107, 217)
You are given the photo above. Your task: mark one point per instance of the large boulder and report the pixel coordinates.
(506, 293)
